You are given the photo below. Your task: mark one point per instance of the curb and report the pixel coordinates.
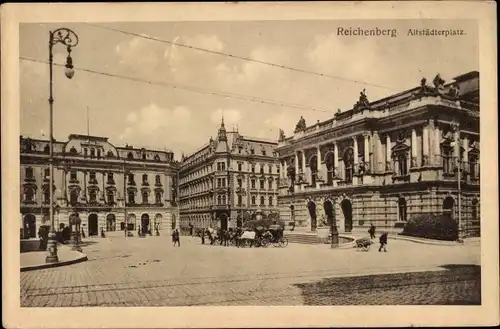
(80, 259)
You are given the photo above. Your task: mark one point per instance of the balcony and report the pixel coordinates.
(110, 182)
(131, 183)
(145, 183)
(93, 181)
(30, 179)
(158, 184)
(74, 181)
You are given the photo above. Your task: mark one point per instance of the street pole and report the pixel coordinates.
(456, 128)
(125, 198)
(69, 39)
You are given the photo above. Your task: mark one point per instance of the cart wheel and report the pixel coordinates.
(265, 243)
(283, 242)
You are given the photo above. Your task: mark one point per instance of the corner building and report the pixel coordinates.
(108, 187)
(227, 180)
(386, 161)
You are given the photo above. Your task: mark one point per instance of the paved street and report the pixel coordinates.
(151, 272)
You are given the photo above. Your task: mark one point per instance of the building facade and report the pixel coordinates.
(227, 180)
(110, 188)
(383, 162)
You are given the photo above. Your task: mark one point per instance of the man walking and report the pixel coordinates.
(383, 242)
(372, 231)
(176, 237)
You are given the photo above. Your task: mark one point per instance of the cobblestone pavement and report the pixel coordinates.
(151, 272)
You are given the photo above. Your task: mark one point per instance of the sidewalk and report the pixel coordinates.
(35, 260)
(468, 241)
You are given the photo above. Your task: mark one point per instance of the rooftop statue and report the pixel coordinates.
(453, 91)
(301, 125)
(438, 84)
(282, 135)
(363, 99)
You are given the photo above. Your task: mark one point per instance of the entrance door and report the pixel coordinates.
(223, 221)
(311, 206)
(110, 223)
(145, 223)
(328, 206)
(93, 225)
(347, 211)
(29, 225)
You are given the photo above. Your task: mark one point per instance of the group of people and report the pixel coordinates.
(176, 237)
(382, 238)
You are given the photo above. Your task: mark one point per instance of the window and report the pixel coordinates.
(221, 166)
(263, 152)
(46, 173)
(402, 164)
(131, 197)
(98, 153)
(277, 169)
(330, 170)
(253, 168)
(240, 166)
(240, 182)
(402, 210)
(270, 169)
(447, 153)
(73, 197)
(130, 178)
(92, 176)
(219, 199)
(73, 175)
(111, 198)
(92, 153)
(348, 165)
(46, 196)
(85, 152)
(93, 196)
(314, 170)
(253, 199)
(145, 197)
(223, 182)
(158, 197)
(29, 194)
(262, 200)
(158, 179)
(223, 199)
(143, 156)
(219, 182)
(253, 183)
(239, 200)
(145, 178)
(29, 172)
(252, 151)
(261, 183)
(46, 149)
(473, 166)
(130, 156)
(270, 200)
(110, 178)
(270, 183)
(262, 169)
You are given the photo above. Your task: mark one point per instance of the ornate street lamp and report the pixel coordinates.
(69, 39)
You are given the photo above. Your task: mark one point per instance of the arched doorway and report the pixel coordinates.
(347, 211)
(174, 224)
(110, 223)
(29, 226)
(144, 223)
(330, 215)
(448, 206)
(311, 206)
(93, 224)
(223, 221)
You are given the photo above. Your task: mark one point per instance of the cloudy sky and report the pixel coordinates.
(159, 116)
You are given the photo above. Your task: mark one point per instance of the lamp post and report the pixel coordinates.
(69, 39)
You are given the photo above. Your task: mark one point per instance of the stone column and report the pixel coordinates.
(285, 169)
(296, 165)
(281, 169)
(425, 146)
(388, 164)
(319, 174)
(335, 159)
(437, 146)
(367, 152)
(414, 153)
(465, 159)
(377, 164)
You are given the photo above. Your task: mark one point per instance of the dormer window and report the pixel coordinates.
(145, 178)
(46, 149)
(85, 152)
(130, 156)
(144, 156)
(110, 153)
(98, 153)
(92, 153)
(157, 157)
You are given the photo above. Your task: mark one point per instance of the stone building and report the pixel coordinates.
(227, 180)
(385, 161)
(108, 187)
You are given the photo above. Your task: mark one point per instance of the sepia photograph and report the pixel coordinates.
(252, 162)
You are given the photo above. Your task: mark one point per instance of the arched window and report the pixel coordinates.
(402, 213)
(130, 156)
(262, 200)
(29, 173)
(158, 197)
(253, 199)
(29, 194)
(145, 197)
(270, 200)
(98, 153)
(144, 178)
(219, 199)
(46, 195)
(330, 168)
(313, 164)
(348, 165)
(131, 197)
(223, 199)
(143, 156)
(402, 164)
(447, 155)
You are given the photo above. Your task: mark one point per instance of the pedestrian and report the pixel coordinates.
(203, 236)
(383, 241)
(372, 231)
(191, 229)
(176, 237)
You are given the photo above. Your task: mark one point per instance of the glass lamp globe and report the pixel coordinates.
(69, 72)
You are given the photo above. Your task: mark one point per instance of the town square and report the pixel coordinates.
(219, 164)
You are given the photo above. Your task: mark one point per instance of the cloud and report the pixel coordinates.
(231, 117)
(139, 52)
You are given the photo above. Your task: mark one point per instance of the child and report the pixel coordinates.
(383, 242)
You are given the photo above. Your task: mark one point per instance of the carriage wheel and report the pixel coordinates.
(265, 242)
(283, 242)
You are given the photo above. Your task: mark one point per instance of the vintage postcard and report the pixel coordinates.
(249, 165)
